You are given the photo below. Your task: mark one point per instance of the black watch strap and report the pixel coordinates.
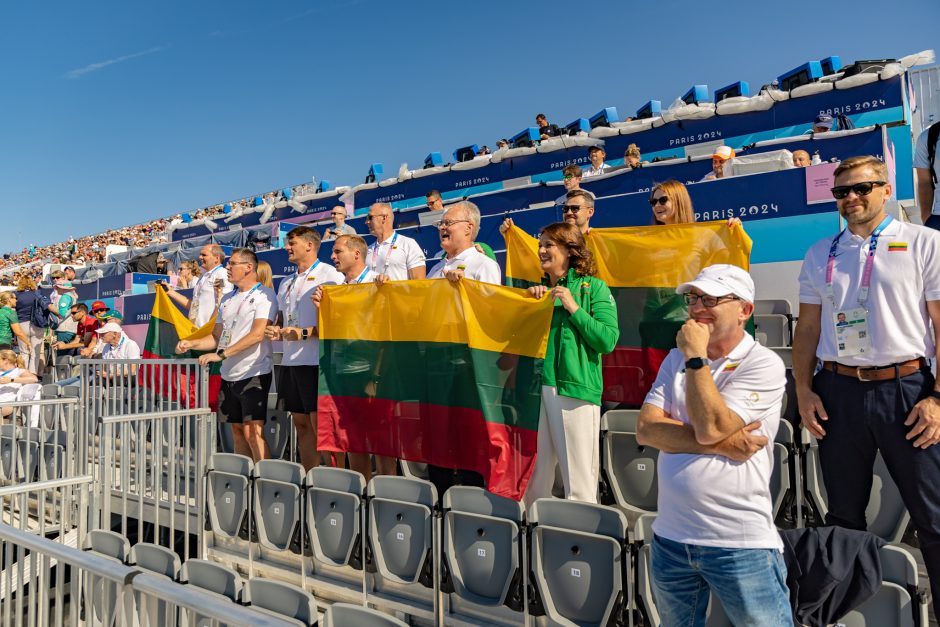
(696, 362)
(934, 394)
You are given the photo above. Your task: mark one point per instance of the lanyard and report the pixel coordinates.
(244, 298)
(295, 281)
(362, 276)
(204, 278)
(375, 253)
(7, 372)
(869, 263)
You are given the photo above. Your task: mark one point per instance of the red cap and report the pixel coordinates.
(98, 305)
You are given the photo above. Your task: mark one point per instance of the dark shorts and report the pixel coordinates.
(297, 388)
(244, 400)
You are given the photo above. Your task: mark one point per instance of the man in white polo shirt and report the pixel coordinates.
(209, 288)
(927, 173)
(457, 229)
(392, 256)
(299, 372)
(875, 391)
(713, 412)
(349, 254)
(116, 345)
(239, 342)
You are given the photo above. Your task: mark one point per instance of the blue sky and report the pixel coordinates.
(114, 113)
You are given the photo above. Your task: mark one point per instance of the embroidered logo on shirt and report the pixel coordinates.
(731, 366)
(753, 397)
(897, 246)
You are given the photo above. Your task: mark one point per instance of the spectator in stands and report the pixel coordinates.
(339, 225)
(713, 412)
(875, 390)
(503, 144)
(801, 159)
(10, 324)
(297, 328)
(579, 209)
(13, 376)
(434, 200)
(208, 288)
(822, 123)
(571, 176)
(927, 171)
(63, 297)
(349, 257)
(27, 297)
(546, 130)
(238, 341)
(265, 277)
(85, 337)
(457, 230)
(583, 328)
(69, 272)
(116, 345)
(597, 155)
(632, 157)
(393, 256)
(719, 157)
(671, 203)
(484, 150)
(186, 278)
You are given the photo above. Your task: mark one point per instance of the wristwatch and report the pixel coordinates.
(304, 333)
(220, 353)
(696, 362)
(934, 394)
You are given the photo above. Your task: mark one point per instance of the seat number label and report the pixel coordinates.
(400, 536)
(277, 510)
(576, 572)
(332, 522)
(641, 466)
(481, 552)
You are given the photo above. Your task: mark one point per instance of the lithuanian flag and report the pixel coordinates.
(167, 327)
(642, 266)
(434, 371)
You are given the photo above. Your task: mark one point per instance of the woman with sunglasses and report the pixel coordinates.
(188, 274)
(583, 327)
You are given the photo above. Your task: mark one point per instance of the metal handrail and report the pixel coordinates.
(69, 400)
(51, 484)
(156, 415)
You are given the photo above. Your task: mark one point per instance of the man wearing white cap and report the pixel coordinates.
(713, 412)
(116, 344)
(721, 154)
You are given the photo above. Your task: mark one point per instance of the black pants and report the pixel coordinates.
(443, 478)
(867, 417)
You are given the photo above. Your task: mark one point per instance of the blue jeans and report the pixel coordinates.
(750, 583)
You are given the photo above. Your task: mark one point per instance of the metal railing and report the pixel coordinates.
(49, 583)
(154, 434)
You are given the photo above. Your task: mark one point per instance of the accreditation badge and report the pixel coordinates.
(852, 333)
(226, 338)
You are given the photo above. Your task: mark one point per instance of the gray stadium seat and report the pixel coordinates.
(401, 526)
(779, 477)
(211, 577)
(630, 468)
(281, 599)
(334, 513)
(153, 612)
(620, 420)
(276, 504)
(8, 452)
(53, 455)
(900, 601)
(642, 537)
(278, 428)
(415, 470)
(28, 452)
(886, 515)
(348, 615)
(579, 561)
(481, 544)
(227, 495)
(101, 596)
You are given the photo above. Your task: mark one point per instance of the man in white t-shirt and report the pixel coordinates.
(239, 342)
(713, 412)
(349, 254)
(927, 196)
(392, 256)
(208, 289)
(457, 230)
(597, 155)
(297, 328)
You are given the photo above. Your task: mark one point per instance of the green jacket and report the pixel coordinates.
(576, 342)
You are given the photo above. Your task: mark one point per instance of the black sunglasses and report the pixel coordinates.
(860, 189)
(662, 200)
(571, 209)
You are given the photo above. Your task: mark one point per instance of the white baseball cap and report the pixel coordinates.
(722, 279)
(110, 326)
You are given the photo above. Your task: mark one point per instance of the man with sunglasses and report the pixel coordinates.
(874, 390)
(85, 337)
(392, 256)
(578, 209)
(339, 225)
(713, 412)
(571, 176)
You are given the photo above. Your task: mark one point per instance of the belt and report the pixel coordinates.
(877, 373)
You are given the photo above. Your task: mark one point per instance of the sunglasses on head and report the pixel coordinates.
(861, 189)
(662, 200)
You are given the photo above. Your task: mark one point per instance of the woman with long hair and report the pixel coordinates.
(188, 273)
(583, 327)
(10, 324)
(26, 296)
(13, 376)
(671, 203)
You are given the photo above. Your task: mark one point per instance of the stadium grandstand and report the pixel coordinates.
(124, 500)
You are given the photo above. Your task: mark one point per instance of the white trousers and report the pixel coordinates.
(569, 432)
(35, 336)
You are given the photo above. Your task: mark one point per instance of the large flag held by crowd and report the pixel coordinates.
(167, 327)
(642, 266)
(434, 371)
